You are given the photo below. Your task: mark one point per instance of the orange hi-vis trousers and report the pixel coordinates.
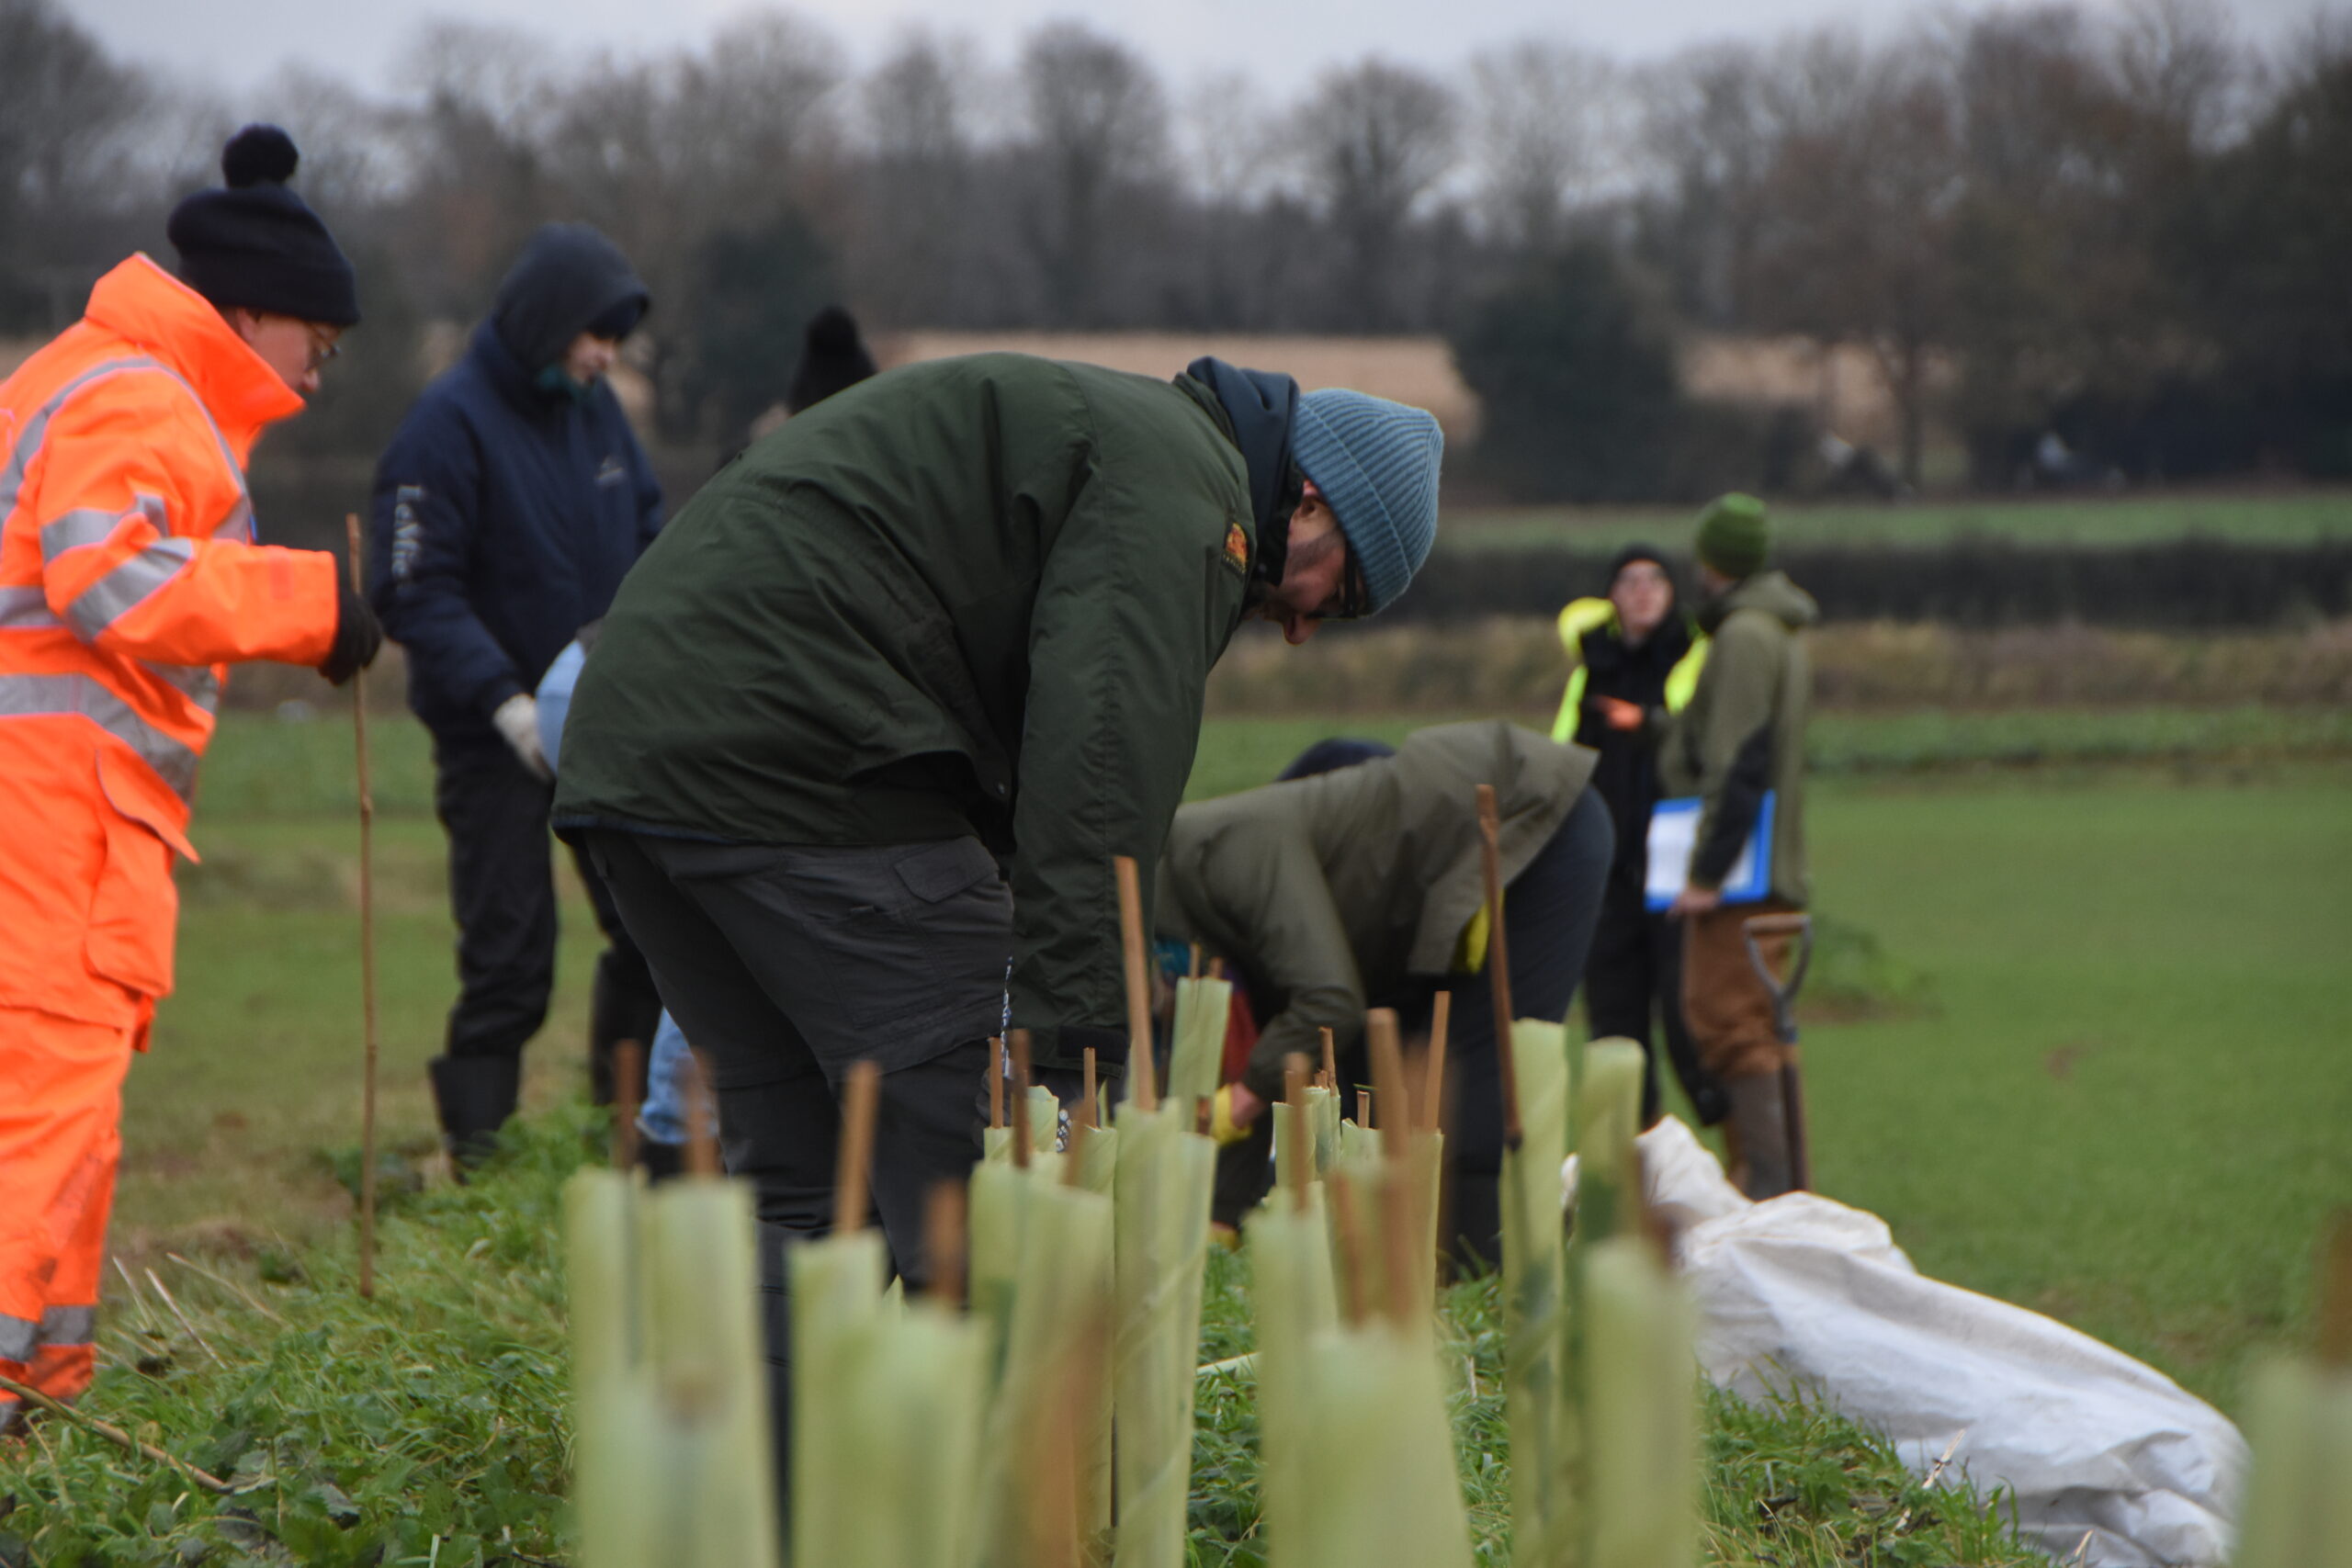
(61, 1106)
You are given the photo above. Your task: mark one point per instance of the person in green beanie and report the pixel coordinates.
(1740, 739)
(874, 713)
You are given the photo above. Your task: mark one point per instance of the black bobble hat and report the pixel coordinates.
(258, 246)
(832, 359)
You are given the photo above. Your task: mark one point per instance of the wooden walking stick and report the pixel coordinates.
(367, 948)
(1498, 961)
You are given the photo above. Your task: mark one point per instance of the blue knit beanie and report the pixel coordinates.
(1377, 464)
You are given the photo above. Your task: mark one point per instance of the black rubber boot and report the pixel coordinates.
(1759, 1117)
(475, 1096)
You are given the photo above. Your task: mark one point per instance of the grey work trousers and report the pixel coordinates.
(786, 965)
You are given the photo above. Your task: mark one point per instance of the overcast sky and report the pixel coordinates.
(233, 43)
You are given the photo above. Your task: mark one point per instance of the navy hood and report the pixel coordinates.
(569, 277)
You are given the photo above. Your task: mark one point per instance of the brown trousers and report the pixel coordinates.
(1724, 1005)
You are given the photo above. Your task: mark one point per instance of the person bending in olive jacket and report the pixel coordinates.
(962, 612)
(508, 507)
(1363, 886)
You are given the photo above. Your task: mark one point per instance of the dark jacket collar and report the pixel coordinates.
(1260, 407)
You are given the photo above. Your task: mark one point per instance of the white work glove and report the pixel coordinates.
(518, 720)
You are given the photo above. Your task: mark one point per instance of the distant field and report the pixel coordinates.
(267, 773)
(2299, 518)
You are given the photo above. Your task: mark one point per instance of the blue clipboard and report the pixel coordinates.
(1674, 833)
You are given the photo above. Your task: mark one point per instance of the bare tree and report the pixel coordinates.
(912, 194)
(65, 113)
(1707, 128)
(1861, 196)
(1098, 122)
(355, 148)
(1376, 138)
(1548, 127)
(480, 185)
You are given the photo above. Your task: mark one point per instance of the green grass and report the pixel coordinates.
(2292, 518)
(2129, 1108)
(429, 1426)
(2117, 1094)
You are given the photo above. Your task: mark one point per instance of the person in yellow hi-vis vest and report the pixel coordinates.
(1637, 657)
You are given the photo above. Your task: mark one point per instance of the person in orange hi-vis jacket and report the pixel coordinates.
(129, 577)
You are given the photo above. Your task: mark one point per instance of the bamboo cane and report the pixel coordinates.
(1295, 1154)
(1499, 959)
(628, 1058)
(857, 1146)
(1021, 1097)
(1143, 1079)
(702, 1138)
(1433, 1073)
(1330, 1062)
(367, 945)
(996, 1080)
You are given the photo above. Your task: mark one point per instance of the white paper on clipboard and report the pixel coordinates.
(1674, 833)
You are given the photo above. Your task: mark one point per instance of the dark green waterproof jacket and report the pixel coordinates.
(972, 596)
(1332, 892)
(1743, 732)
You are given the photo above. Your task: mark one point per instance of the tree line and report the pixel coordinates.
(2127, 228)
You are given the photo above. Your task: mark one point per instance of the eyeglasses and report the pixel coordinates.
(323, 346)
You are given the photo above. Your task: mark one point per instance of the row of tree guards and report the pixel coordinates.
(1042, 1417)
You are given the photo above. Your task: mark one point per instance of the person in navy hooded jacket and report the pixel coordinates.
(507, 509)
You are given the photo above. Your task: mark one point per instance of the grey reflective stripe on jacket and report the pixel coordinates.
(18, 1337)
(25, 608)
(135, 579)
(29, 445)
(128, 585)
(44, 697)
(68, 1325)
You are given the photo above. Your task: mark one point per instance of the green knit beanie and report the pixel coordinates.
(1733, 535)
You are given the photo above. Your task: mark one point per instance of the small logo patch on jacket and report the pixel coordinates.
(1236, 549)
(611, 473)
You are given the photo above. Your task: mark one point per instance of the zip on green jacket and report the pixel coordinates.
(977, 595)
(1743, 733)
(1333, 890)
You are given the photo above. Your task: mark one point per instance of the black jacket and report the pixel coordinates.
(507, 509)
(1627, 775)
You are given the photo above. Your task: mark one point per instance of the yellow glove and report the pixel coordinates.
(1223, 1129)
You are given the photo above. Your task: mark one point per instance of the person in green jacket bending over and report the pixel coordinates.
(954, 619)
(1364, 887)
(1740, 739)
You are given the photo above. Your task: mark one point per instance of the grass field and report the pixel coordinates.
(2119, 1098)
(2126, 1105)
(2289, 518)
